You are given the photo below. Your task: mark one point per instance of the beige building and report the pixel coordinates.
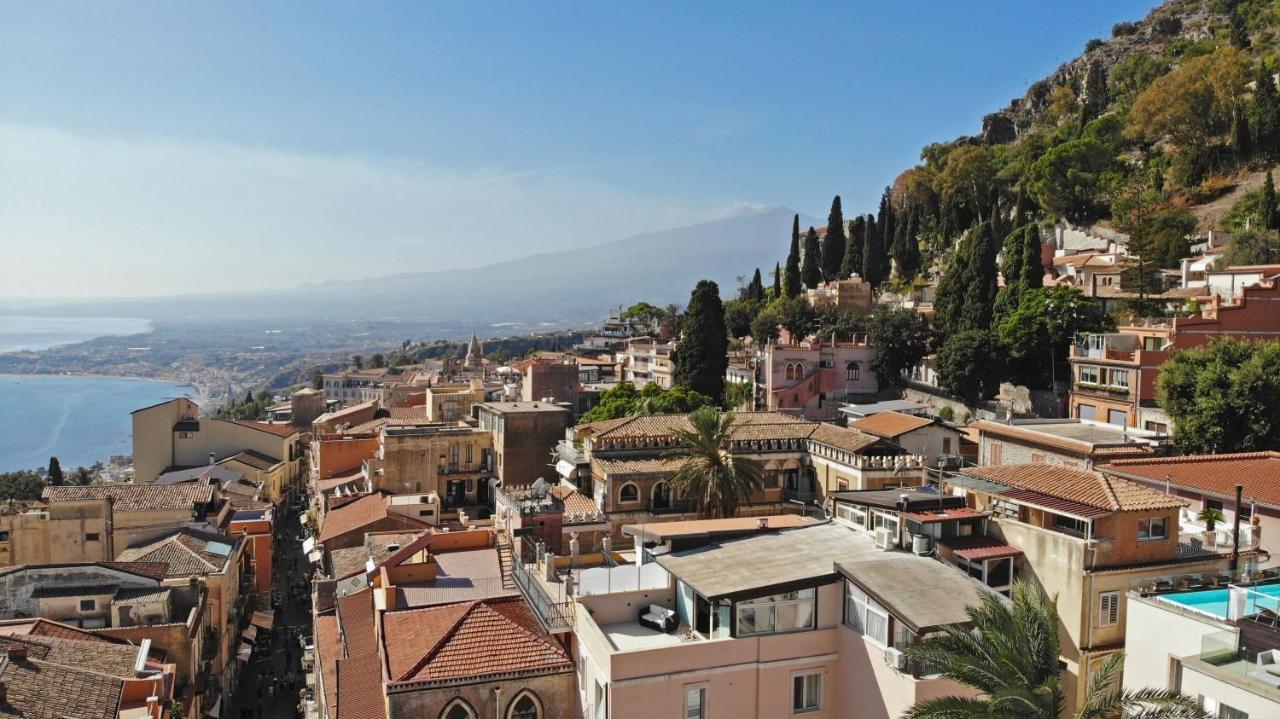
(452, 461)
(172, 435)
(92, 523)
(1087, 538)
(924, 436)
(452, 402)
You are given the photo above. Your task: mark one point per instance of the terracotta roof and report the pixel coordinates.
(328, 651)
(890, 424)
(575, 502)
(419, 412)
(469, 640)
(359, 680)
(1216, 474)
(360, 513)
(134, 497)
(63, 678)
(978, 548)
(747, 425)
(279, 430)
(842, 438)
(249, 457)
(933, 516)
(186, 552)
(40, 627)
(352, 560)
(642, 465)
(1088, 488)
(355, 620)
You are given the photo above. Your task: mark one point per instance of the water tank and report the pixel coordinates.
(921, 544)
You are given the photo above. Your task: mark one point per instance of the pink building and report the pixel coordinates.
(764, 622)
(817, 375)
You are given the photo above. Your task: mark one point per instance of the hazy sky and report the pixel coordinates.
(155, 148)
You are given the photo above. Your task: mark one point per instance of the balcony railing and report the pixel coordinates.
(555, 617)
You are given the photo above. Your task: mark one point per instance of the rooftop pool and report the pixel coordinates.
(1214, 602)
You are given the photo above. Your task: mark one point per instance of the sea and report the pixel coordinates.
(79, 420)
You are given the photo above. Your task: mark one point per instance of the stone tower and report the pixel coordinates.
(475, 353)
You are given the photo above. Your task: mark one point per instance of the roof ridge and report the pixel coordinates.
(1191, 458)
(1108, 489)
(442, 641)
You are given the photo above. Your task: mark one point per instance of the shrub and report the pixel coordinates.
(1093, 44)
(1121, 29)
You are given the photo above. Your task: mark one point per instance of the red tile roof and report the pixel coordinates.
(1088, 488)
(361, 513)
(469, 640)
(978, 548)
(1216, 474)
(934, 516)
(328, 651)
(135, 497)
(279, 430)
(890, 424)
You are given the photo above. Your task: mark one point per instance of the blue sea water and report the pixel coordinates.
(39, 333)
(79, 420)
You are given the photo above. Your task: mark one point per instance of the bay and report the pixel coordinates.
(79, 420)
(21, 333)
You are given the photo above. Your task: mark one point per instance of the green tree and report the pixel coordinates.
(873, 250)
(717, 480)
(970, 365)
(701, 358)
(1193, 103)
(755, 288)
(1266, 112)
(55, 472)
(1134, 74)
(764, 328)
(811, 264)
(1239, 32)
(624, 400)
(1269, 217)
(1094, 98)
(1241, 136)
(852, 263)
(980, 292)
(791, 283)
(901, 337)
(357, 361)
(906, 247)
(833, 245)
(738, 315)
(317, 380)
(1037, 334)
(1223, 397)
(1251, 247)
(1009, 652)
(796, 316)
(777, 280)
(968, 180)
(830, 320)
(24, 485)
(378, 361)
(645, 314)
(1067, 180)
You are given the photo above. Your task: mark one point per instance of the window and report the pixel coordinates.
(1108, 609)
(946, 445)
(1152, 344)
(806, 693)
(695, 703)
(629, 493)
(787, 612)
(1088, 374)
(864, 615)
(1120, 378)
(1153, 528)
(1086, 411)
(525, 706)
(996, 451)
(88, 605)
(1069, 524)
(852, 372)
(91, 537)
(1005, 508)
(1037, 458)
(469, 450)
(852, 514)
(660, 496)
(1118, 417)
(457, 709)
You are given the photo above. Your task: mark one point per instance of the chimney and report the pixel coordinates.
(17, 652)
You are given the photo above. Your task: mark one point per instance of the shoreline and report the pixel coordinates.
(198, 395)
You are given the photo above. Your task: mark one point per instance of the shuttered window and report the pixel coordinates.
(1108, 609)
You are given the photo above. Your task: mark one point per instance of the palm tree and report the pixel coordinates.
(1010, 656)
(717, 480)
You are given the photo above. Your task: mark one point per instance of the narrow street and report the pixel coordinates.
(273, 679)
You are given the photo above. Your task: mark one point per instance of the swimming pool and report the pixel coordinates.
(1214, 602)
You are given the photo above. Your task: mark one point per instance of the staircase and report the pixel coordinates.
(505, 562)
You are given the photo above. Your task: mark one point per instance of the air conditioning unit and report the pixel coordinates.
(921, 544)
(884, 538)
(895, 658)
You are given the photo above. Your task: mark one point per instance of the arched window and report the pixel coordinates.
(458, 709)
(525, 706)
(852, 371)
(661, 496)
(629, 493)
(790, 371)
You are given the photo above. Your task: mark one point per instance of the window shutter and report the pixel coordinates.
(1109, 609)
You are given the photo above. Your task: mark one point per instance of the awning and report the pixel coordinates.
(264, 618)
(244, 652)
(308, 544)
(250, 634)
(311, 679)
(302, 519)
(566, 469)
(315, 556)
(977, 549)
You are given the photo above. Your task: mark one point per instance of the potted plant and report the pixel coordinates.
(1210, 516)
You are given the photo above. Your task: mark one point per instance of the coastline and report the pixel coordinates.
(199, 394)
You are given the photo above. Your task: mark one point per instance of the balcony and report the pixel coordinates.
(555, 617)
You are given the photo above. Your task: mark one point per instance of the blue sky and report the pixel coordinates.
(152, 148)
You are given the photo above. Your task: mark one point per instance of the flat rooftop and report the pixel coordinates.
(630, 636)
(893, 405)
(1087, 434)
(709, 528)
(514, 407)
(461, 576)
(923, 592)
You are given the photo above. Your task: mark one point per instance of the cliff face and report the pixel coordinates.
(1172, 21)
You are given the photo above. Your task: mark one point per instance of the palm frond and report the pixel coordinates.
(949, 708)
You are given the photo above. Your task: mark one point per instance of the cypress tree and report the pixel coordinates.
(1096, 98)
(791, 281)
(948, 299)
(852, 263)
(755, 288)
(811, 263)
(887, 222)
(1266, 107)
(873, 254)
(833, 245)
(909, 263)
(1239, 33)
(702, 356)
(1032, 264)
(979, 294)
(55, 472)
(777, 280)
(1241, 138)
(1270, 218)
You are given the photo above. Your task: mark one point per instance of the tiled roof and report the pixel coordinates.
(746, 426)
(359, 680)
(469, 640)
(642, 465)
(134, 497)
(355, 620)
(1217, 474)
(978, 548)
(155, 570)
(1091, 489)
(575, 502)
(891, 424)
(40, 627)
(279, 430)
(842, 438)
(36, 689)
(360, 513)
(328, 651)
(352, 560)
(108, 658)
(933, 516)
(257, 460)
(186, 552)
(135, 595)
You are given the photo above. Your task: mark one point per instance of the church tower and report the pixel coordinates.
(475, 353)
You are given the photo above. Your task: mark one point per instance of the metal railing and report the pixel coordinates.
(555, 617)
